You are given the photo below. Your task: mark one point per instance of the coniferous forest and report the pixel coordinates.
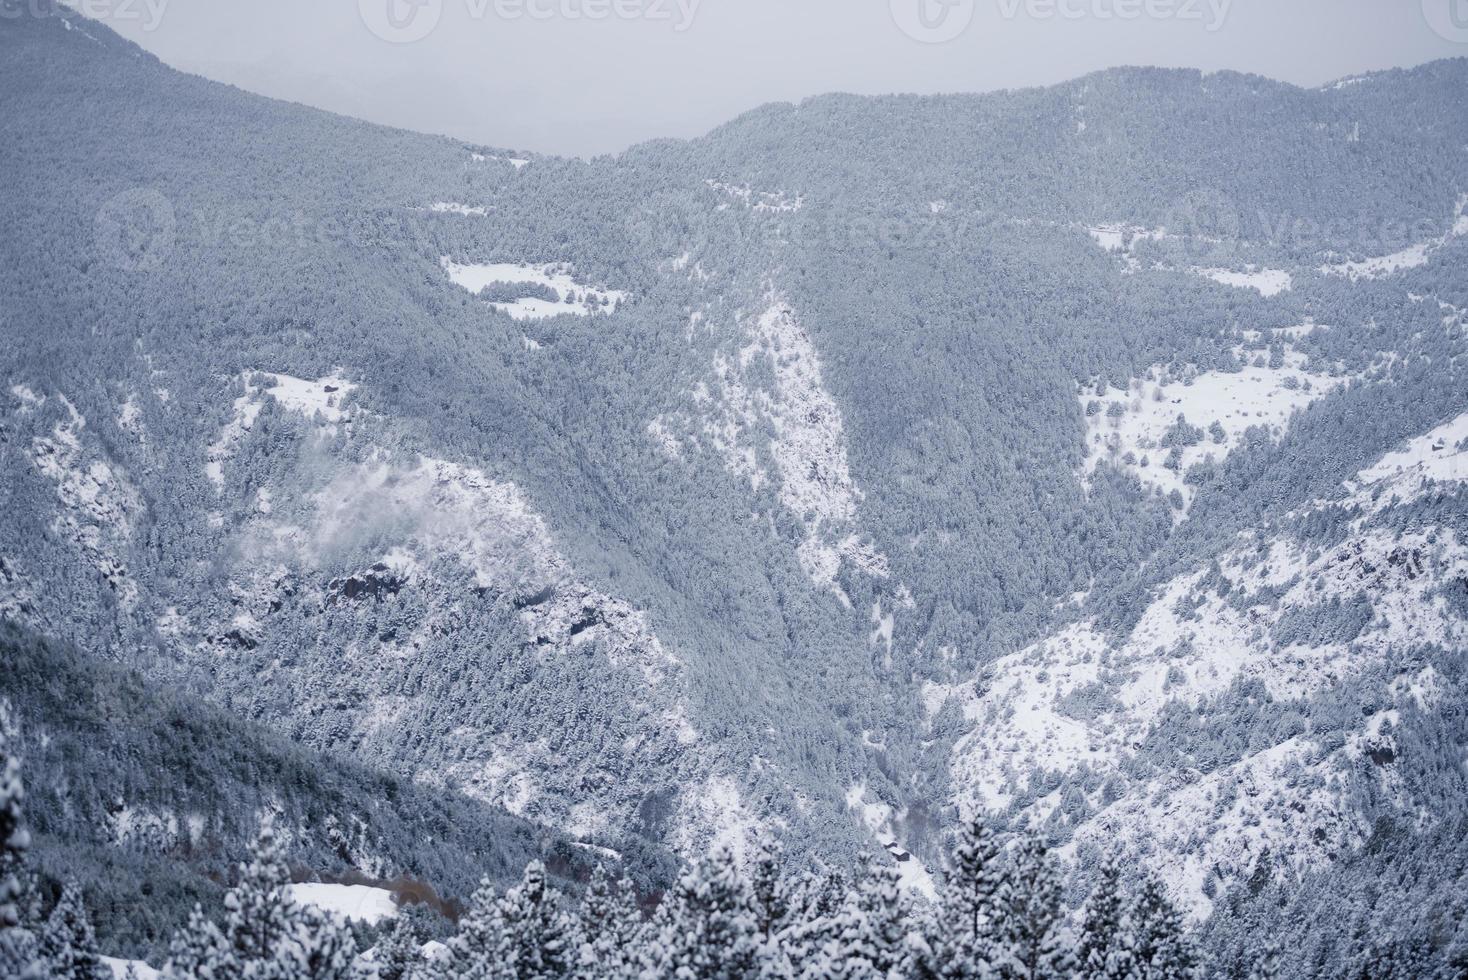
(1004, 535)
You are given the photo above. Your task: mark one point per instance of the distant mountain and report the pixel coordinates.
(778, 483)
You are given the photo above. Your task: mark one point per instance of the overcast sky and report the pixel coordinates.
(595, 76)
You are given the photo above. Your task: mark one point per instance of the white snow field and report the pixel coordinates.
(119, 968)
(1151, 405)
(576, 298)
(1267, 282)
(453, 207)
(358, 903)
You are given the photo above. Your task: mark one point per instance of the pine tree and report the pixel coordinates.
(18, 946)
(873, 928)
(1033, 934)
(975, 897)
(68, 947)
(1102, 952)
(1161, 948)
(265, 936)
(399, 950)
(705, 929)
(771, 903)
(610, 926)
(478, 950)
(1267, 966)
(539, 937)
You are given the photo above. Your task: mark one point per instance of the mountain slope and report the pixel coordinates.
(653, 497)
(137, 790)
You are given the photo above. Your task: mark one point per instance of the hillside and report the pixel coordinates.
(780, 483)
(139, 790)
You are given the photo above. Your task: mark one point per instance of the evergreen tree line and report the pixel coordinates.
(1000, 916)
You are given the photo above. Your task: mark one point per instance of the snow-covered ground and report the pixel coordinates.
(1267, 282)
(1081, 701)
(772, 202)
(878, 817)
(321, 398)
(439, 527)
(1411, 257)
(119, 968)
(1151, 406)
(359, 903)
(806, 450)
(453, 207)
(99, 505)
(1439, 456)
(576, 298)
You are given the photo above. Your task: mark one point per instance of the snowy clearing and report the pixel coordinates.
(1268, 282)
(359, 903)
(1411, 257)
(320, 398)
(119, 968)
(1131, 428)
(575, 298)
(452, 207)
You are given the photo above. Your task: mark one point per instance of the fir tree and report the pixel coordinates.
(1267, 966)
(479, 949)
(610, 927)
(974, 902)
(1102, 952)
(771, 903)
(873, 931)
(1033, 936)
(18, 947)
(705, 928)
(1161, 949)
(265, 936)
(399, 950)
(538, 936)
(68, 947)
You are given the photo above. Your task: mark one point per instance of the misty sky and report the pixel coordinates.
(593, 76)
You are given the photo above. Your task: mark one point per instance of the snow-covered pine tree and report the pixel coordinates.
(1159, 944)
(1102, 952)
(771, 900)
(1034, 936)
(18, 952)
(478, 950)
(539, 937)
(969, 942)
(1267, 966)
(610, 926)
(872, 929)
(265, 936)
(68, 946)
(399, 950)
(705, 928)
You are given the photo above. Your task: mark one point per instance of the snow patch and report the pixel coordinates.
(1267, 282)
(575, 298)
(356, 903)
(1411, 257)
(773, 384)
(1150, 408)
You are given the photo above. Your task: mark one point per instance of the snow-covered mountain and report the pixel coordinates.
(863, 465)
